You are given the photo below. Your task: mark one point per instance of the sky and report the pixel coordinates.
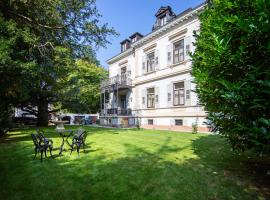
(130, 16)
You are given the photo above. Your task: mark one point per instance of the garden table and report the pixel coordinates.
(65, 134)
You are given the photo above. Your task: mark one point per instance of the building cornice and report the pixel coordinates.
(157, 32)
(162, 77)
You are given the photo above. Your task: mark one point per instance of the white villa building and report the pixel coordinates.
(150, 81)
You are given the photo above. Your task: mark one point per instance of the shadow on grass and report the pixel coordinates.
(160, 174)
(243, 167)
(49, 132)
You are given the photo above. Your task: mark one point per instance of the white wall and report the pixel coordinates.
(165, 75)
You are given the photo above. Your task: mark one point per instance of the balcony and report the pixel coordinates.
(119, 81)
(116, 112)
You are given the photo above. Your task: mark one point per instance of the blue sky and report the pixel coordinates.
(130, 16)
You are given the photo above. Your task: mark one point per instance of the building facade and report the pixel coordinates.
(150, 82)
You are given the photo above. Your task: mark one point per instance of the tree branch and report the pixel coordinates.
(28, 19)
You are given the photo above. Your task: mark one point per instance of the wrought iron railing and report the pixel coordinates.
(120, 80)
(116, 111)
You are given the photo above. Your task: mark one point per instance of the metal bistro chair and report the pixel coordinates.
(78, 140)
(41, 146)
(41, 135)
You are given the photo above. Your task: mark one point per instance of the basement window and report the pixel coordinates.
(178, 122)
(150, 122)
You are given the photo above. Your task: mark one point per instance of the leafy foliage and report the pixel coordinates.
(82, 93)
(40, 42)
(231, 69)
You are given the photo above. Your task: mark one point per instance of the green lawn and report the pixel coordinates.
(130, 164)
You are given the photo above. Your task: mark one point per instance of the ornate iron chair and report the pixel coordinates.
(41, 145)
(41, 135)
(78, 140)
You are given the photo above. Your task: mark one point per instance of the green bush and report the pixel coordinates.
(5, 120)
(231, 66)
(195, 126)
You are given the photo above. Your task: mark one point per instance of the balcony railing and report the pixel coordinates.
(116, 111)
(123, 80)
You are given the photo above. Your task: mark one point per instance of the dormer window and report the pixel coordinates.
(163, 21)
(163, 16)
(133, 40)
(125, 45)
(135, 37)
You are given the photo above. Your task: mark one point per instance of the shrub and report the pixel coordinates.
(231, 66)
(5, 120)
(195, 126)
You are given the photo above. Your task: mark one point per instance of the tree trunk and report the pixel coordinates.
(43, 114)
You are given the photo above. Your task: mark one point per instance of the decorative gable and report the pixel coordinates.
(163, 16)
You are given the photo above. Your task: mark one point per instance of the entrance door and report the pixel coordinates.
(123, 102)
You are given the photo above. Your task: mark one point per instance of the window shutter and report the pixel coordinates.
(128, 75)
(169, 54)
(144, 100)
(118, 74)
(157, 60)
(157, 97)
(128, 67)
(187, 92)
(187, 47)
(144, 64)
(119, 70)
(169, 95)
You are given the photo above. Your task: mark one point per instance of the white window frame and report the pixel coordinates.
(150, 62)
(178, 51)
(179, 94)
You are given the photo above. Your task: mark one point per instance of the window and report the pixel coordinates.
(178, 94)
(178, 122)
(151, 98)
(123, 47)
(150, 122)
(123, 76)
(178, 51)
(123, 70)
(133, 40)
(106, 97)
(143, 100)
(163, 21)
(150, 62)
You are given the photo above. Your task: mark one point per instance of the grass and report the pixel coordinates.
(131, 164)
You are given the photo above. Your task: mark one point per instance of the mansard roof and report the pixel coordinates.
(163, 9)
(180, 17)
(134, 34)
(124, 41)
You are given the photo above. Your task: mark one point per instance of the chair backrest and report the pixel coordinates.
(84, 135)
(35, 139)
(40, 132)
(80, 134)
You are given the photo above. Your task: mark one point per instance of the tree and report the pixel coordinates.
(50, 36)
(83, 89)
(231, 70)
(13, 67)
